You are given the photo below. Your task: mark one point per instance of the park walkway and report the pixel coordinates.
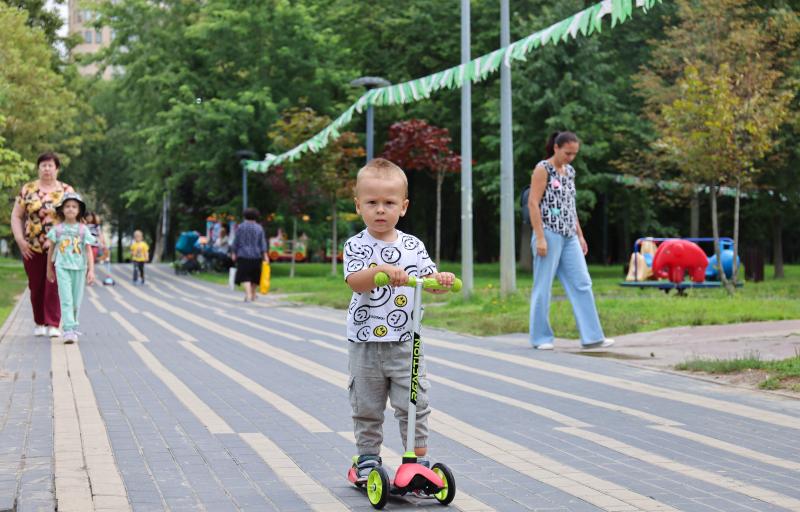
(181, 397)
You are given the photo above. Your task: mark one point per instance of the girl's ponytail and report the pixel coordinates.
(549, 147)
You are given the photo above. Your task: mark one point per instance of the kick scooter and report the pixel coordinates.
(436, 481)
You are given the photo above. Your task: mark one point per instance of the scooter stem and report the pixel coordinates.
(416, 354)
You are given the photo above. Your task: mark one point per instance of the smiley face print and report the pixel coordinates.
(390, 255)
(354, 266)
(361, 314)
(379, 296)
(358, 251)
(410, 243)
(383, 314)
(397, 318)
(363, 333)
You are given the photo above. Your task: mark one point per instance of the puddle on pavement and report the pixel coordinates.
(611, 355)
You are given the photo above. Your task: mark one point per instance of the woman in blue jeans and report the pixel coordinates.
(559, 248)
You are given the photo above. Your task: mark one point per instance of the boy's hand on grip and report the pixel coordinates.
(445, 279)
(397, 276)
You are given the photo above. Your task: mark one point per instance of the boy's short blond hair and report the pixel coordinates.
(382, 168)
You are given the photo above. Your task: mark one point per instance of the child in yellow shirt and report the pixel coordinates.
(140, 254)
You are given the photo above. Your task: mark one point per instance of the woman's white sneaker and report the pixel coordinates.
(53, 332)
(607, 342)
(40, 330)
(544, 346)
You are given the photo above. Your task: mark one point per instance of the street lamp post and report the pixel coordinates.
(508, 274)
(242, 155)
(370, 82)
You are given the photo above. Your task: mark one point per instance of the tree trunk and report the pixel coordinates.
(158, 246)
(736, 203)
(334, 237)
(439, 181)
(120, 254)
(694, 230)
(777, 247)
(715, 231)
(161, 230)
(294, 245)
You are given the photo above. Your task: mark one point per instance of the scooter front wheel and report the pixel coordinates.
(446, 495)
(378, 487)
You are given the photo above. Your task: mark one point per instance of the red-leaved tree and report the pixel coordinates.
(416, 145)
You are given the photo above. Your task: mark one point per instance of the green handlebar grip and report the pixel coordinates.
(382, 279)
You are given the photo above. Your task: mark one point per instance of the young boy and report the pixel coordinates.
(140, 254)
(379, 319)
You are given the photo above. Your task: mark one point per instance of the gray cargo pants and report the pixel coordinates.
(379, 370)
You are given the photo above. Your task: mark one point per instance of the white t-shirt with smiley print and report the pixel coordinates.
(384, 314)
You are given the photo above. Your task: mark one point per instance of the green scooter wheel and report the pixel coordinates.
(448, 493)
(378, 487)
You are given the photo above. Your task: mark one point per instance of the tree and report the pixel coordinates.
(716, 136)
(416, 145)
(202, 80)
(38, 111)
(39, 16)
(716, 96)
(329, 172)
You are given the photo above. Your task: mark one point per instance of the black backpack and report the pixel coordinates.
(523, 205)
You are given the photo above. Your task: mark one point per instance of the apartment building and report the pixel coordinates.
(79, 22)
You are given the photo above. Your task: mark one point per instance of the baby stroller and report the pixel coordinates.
(188, 251)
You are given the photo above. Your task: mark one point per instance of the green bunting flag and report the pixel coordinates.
(585, 23)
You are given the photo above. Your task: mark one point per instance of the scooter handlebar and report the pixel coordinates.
(428, 283)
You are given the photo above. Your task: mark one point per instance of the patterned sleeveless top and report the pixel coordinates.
(558, 202)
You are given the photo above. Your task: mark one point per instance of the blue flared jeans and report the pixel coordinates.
(564, 259)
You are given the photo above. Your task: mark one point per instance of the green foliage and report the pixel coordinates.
(14, 280)
(38, 109)
(202, 80)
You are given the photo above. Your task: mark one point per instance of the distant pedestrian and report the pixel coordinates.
(95, 226)
(249, 249)
(70, 258)
(559, 248)
(32, 217)
(140, 254)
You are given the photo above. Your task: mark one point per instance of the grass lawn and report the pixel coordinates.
(622, 310)
(12, 275)
(783, 374)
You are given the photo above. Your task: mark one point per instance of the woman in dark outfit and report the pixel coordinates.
(248, 251)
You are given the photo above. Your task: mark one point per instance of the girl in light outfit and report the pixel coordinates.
(70, 259)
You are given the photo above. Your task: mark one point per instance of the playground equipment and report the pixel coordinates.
(436, 481)
(280, 247)
(676, 259)
(726, 254)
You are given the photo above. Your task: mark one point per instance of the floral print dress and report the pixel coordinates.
(40, 211)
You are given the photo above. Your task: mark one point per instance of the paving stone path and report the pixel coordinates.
(181, 397)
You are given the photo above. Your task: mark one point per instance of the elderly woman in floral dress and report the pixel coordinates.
(33, 215)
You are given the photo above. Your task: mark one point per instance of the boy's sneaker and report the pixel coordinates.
(53, 332)
(607, 342)
(365, 464)
(40, 330)
(70, 337)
